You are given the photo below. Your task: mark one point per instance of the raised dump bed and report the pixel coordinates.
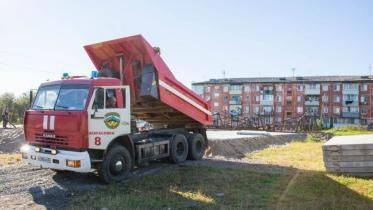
(156, 95)
(352, 155)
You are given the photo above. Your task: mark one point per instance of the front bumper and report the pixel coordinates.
(44, 159)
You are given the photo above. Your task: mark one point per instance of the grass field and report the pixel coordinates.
(312, 187)
(303, 184)
(191, 187)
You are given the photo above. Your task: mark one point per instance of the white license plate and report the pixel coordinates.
(44, 159)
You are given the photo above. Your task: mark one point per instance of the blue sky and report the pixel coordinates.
(40, 40)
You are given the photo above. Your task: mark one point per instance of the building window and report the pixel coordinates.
(279, 109)
(207, 98)
(236, 99)
(216, 95)
(299, 87)
(247, 99)
(299, 98)
(325, 98)
(217, 87)
(247, 89)
(325, 87)
(363, 99)
(256, 109)
(278, 87)
(235, 88)
(278, 98)
(226, 88)
(208, 89)
(363, 110)
(364, 87)
(257, 88)
(267, 109)
(336, 87)
(325, 110)
(336, 110)
(216, 104)
(336, 99)
(300, 109)
(247, 109)
(350, 86)
(225, 99)
(257, 98)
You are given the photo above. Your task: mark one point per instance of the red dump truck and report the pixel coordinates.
(86, 124)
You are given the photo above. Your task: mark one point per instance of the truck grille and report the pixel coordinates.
(56, 141)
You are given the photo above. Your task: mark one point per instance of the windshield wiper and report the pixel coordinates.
(63, 107)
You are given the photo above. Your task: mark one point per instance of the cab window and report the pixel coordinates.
(98, 103)
(109, 98)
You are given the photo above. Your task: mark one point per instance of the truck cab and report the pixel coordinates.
(74, 124)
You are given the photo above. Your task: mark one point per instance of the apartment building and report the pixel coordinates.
(335, 99)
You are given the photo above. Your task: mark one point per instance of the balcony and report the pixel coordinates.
(235, 102)
(350, 91)
(312, 103)
(312, 91)
(351, 114)
(266, 102)
(266, 113)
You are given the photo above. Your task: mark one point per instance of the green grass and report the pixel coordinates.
(190, 187)
(348, 130)
(314, 188)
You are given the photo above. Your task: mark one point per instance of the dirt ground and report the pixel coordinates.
(26, 187)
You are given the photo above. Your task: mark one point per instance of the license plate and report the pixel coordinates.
(44, 159)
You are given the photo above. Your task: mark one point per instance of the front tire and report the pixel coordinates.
(179, 149)
(116, 165)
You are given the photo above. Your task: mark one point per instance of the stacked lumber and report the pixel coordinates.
(350, 155)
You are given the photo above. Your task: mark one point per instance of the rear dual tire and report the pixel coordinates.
(197, 146)
(179, 149)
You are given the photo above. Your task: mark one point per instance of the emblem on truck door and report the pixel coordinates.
(112, 120)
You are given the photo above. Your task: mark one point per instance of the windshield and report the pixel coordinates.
(61, 97)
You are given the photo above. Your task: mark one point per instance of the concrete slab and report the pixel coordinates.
(350, 142)
(241, 134)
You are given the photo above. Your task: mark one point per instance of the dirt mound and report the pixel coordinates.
(11, 139)
(237, 148)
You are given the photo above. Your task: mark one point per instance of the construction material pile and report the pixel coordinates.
(350, 155)
(11, 139)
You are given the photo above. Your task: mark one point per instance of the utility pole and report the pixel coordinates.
(223, 74)
(293, 70)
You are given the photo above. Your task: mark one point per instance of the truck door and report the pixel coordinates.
(108, 115)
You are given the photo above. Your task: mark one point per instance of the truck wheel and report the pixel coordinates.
(116, 165)
(196, 144)
(179, 149)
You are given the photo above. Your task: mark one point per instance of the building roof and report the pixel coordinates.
(300, 79)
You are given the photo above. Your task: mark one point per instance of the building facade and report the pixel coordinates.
(336, 100)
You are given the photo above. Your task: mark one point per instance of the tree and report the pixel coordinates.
(17, 105)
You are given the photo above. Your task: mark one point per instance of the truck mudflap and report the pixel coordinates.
(56, 159)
